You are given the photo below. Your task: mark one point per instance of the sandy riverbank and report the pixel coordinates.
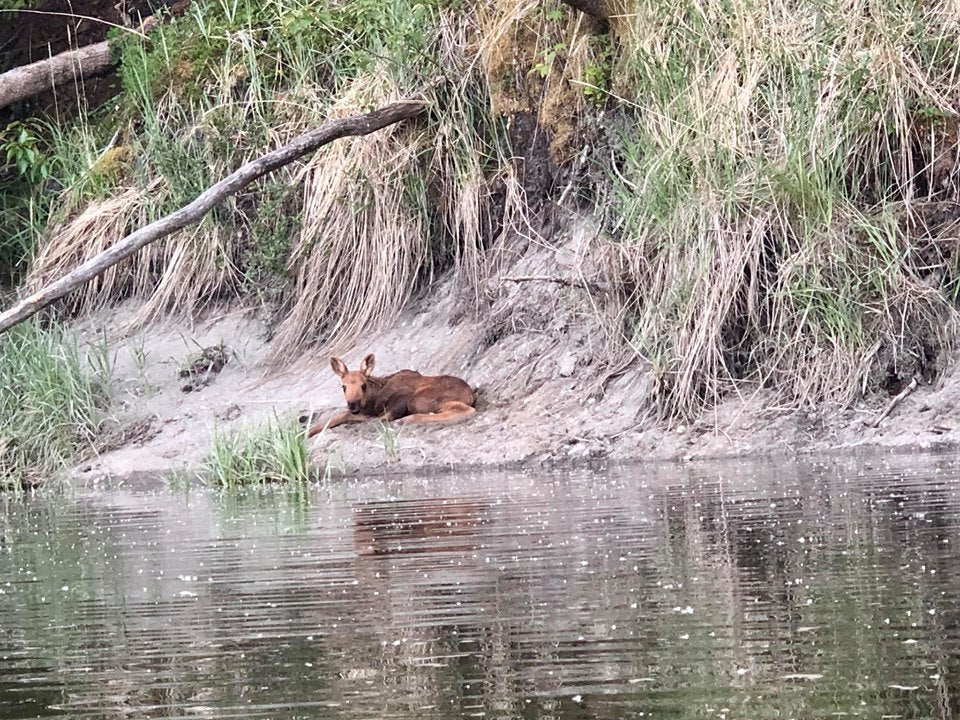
(534, 354)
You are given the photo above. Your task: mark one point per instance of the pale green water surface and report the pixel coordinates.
(734, 590)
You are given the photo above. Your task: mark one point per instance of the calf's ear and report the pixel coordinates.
(338, 366)
(366, 367)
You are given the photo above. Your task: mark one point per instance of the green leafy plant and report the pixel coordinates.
(25, 166)
(597, 74)
(549, 56)
(20, 147)
(389, 439)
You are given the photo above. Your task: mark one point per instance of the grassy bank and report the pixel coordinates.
(777, 182)
(52, 401)
(783, 194)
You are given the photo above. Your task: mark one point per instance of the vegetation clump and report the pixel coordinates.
(53, 398)
(197, 369)
(274, 452)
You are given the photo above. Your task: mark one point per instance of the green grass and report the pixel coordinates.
(755, 164)
(388, 437)
(52, 400)
(766, 154)
(274, 452)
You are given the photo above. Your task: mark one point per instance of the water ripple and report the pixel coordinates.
(727, 590)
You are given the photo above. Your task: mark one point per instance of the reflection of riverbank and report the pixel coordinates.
(802, 590)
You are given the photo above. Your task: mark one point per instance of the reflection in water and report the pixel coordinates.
(721, 591)
(417, 526)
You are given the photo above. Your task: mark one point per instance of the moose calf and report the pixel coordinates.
(406, 395)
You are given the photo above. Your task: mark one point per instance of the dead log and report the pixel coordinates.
(38, 77)
(29, 80)
(230, 185)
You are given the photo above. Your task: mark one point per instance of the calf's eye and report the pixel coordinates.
(363, 388)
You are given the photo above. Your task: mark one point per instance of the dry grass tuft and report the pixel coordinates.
(360, 248)
(197, 267)
(178, 274)
(383, 213)
(97, 227)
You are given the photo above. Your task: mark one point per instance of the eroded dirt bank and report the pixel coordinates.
(551, 388)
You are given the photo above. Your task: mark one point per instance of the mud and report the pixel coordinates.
(553, 388)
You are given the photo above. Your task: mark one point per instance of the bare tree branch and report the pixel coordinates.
(233, 183)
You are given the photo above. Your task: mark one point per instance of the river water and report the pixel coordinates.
(733, 590)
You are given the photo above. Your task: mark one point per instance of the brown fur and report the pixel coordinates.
(418, 526)
(406, 396)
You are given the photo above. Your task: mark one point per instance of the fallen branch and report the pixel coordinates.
(230, 185)
(89, 61)
(565, 282)
(893, 403)
(35, 78)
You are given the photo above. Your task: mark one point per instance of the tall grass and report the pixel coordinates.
(768, 153)
(765, 171)
(52, 400)
(274, 452)
(231, 80)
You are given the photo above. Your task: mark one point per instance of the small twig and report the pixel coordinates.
(142, 32)
(566, 282)
(893, 403)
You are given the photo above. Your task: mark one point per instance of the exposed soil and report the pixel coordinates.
(533, 351)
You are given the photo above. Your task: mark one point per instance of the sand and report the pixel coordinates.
(533, 347)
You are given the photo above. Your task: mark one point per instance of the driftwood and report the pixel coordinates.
(89, 61)
(893, 403)
(230, 185)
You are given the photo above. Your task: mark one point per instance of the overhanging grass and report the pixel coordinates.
(231, 80)
(274, 452)
(52, 401)
(769, 152)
